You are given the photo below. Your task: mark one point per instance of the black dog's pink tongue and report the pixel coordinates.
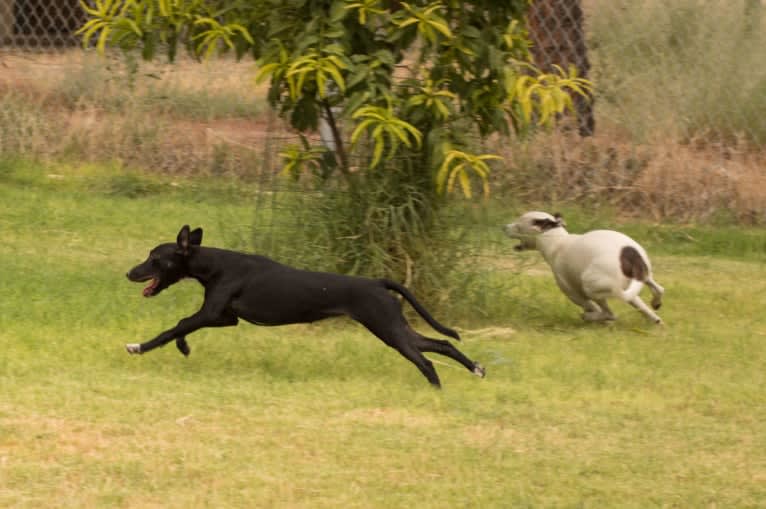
(150, 287)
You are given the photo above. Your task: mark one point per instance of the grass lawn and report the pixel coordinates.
(324, 415)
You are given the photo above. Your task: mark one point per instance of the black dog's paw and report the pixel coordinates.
(183, 346)
(479, 370)
(133, 348)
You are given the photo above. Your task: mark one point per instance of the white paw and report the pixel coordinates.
(133, 348)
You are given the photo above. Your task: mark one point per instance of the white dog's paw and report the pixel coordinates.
(133, 348)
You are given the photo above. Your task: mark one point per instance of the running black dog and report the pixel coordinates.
(264, 292)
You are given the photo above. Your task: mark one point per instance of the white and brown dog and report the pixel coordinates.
(591, 267)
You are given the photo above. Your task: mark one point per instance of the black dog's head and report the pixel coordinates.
(167, 263)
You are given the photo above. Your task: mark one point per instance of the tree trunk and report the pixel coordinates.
(557, 32)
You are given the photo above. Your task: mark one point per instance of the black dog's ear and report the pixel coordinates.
(188, 238)
(559, 219)
(183, 239)
(195, 237)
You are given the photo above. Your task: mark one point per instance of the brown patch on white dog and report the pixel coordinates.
(632, 264)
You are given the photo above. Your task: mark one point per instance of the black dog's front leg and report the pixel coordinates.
(161, 340)
(179, 332)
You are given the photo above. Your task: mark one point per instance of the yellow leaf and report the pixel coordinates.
(102, 38)
(442, 28)
(337, 78)
(265, 71)
(359, 130)
(376, 154)
(441, 177)
(453, 175)
(465, 183)
(90, 10)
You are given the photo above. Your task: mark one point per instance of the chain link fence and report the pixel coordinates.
(27, 24)
(677, 122)
(691, 65)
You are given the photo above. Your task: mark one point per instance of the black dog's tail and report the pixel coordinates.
(404, 292)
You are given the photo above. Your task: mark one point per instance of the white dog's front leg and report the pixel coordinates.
(603, 315)
(593, 311)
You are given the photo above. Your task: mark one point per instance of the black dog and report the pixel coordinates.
(264, 292)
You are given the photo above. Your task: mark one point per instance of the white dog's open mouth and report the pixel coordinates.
(512, 231)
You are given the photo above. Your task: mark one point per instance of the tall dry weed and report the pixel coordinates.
(664, 180)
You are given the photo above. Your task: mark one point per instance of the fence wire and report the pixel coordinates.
(34, 24)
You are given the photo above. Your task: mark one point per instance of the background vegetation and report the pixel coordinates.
(690, 72)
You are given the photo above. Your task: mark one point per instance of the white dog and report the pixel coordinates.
(591, 267)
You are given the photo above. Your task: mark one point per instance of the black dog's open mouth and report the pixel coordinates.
(149, 290)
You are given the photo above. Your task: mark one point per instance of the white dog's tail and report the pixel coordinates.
(634, 267)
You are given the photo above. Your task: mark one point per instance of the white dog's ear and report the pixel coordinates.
(543, 225)
(559, 219)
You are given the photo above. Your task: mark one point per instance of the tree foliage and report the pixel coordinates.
(410, 79)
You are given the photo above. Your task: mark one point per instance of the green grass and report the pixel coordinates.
(570, 414)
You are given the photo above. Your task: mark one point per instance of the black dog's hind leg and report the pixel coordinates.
(424, 365)
(397, 336)
(183, 346)
(444, 347)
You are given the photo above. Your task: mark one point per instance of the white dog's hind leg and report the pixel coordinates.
(657, 292)
(597, 287)
(632, 291)
(637, 303)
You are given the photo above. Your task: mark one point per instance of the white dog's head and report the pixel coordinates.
(530, 225)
